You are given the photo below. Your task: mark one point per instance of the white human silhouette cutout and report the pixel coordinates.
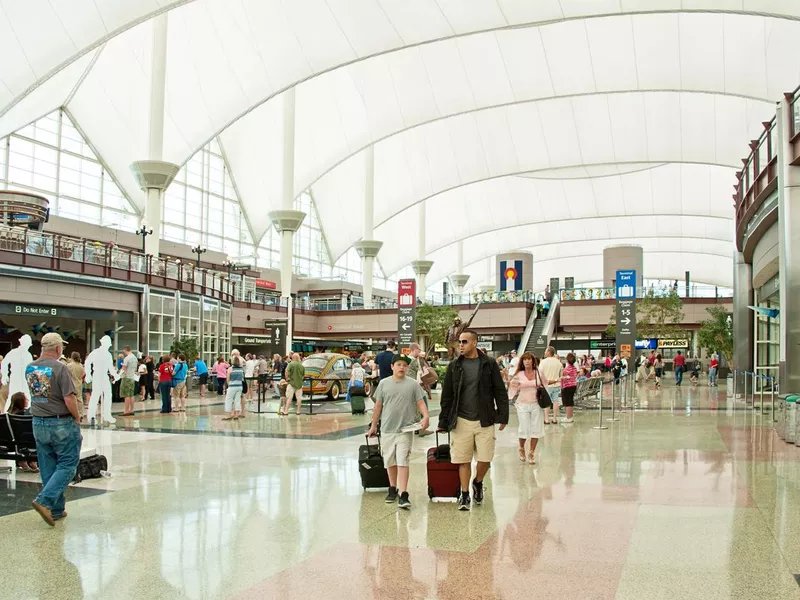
(99, 367)
(12, 371)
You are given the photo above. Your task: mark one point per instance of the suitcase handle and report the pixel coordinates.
(378, 435)
(437, 438)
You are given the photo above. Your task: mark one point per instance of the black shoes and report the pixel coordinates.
(477, 491)
(404, 501)
(391, 496)
(463, 502)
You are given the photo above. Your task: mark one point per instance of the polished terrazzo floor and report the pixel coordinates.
(693, 497)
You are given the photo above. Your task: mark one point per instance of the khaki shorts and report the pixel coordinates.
(180, 389)
(396, 448)
(126, 388)
(470, 440)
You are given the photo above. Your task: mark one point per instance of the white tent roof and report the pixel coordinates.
(452, 93)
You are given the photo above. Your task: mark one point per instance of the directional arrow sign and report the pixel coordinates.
(406, 312)
(626, 313)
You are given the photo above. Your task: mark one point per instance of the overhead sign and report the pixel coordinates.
(626, 313)
(274, 335)
(38, 310)
(485, 346)
(406, 311)
(266, 284)
(650, 344)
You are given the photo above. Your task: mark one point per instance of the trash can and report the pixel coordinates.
(791, 418)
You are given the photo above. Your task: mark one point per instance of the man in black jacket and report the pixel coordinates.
(473, 399)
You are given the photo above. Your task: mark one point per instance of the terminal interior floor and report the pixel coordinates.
(695, 497)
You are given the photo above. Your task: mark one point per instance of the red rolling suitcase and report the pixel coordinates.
(443, 481)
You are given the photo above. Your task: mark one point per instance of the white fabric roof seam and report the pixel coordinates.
(190, 153)
(96, 43)
(479, 140)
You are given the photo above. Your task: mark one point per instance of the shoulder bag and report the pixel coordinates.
(428, 376)
(542, 397)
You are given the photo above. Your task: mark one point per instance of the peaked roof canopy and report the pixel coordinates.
(606, 117)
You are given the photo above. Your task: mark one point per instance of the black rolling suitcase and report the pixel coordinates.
(370, 466)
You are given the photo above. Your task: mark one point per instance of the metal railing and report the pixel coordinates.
(22, 246)
(748, 381)
(609, 293)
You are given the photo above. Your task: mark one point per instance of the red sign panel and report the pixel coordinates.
(266, 284)
(406, 292)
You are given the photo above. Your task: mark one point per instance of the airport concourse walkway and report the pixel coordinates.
(693, 497)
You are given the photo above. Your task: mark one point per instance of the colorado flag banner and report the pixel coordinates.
(511, 275)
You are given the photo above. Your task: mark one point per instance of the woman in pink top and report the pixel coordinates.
(530, 414)
(569, 383)
(220, 369)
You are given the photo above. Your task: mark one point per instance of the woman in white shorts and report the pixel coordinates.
(531, 416)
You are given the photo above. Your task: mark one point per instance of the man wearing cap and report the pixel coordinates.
(397, 400)
(56, 428)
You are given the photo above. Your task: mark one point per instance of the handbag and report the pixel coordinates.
(429, 376)
(542, 397)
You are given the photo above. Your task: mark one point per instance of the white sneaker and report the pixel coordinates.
(567, 420)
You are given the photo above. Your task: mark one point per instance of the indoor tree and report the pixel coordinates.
(187, 347)
(716, 333)
(432, 324)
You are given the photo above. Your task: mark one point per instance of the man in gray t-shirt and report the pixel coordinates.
(397, 400)
(468, 406)
(54, 407)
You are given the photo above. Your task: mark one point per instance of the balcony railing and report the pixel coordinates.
(609, 293)
(757, 179)
(24, 247)
(759, 176)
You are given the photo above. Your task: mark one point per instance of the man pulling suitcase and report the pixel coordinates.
(397, 400)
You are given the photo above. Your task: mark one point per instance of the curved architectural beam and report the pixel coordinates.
(630, 129)
(380, 29)
(85, 22)
(470, 71)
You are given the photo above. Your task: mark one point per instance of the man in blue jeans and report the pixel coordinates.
(56, 428)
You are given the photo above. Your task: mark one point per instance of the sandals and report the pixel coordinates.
(531, 459)
(522, 455)
(228, 418)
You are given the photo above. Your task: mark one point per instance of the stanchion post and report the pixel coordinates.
(734, 383)
(772, 396)
(761, 397)
(744, 376)
(600, 410)
(613, 385)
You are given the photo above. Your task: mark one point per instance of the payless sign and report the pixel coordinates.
(626, 313)
(406, 311)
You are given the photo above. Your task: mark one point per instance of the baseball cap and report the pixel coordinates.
(51, 340)
(402, 357)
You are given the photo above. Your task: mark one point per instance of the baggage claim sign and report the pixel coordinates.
(626, 313)
(406, 309)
